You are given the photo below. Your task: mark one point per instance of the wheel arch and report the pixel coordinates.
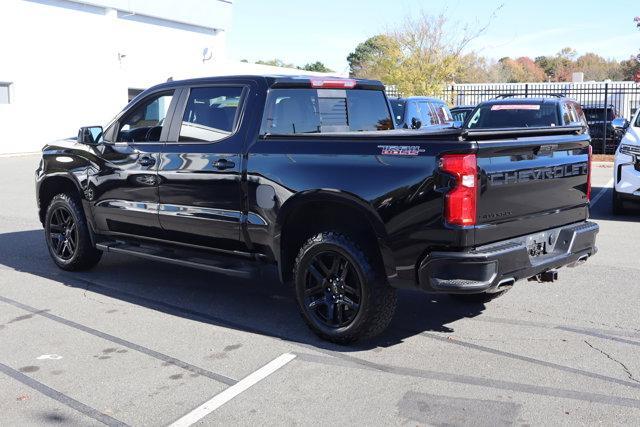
(309, 212)
(52, 184)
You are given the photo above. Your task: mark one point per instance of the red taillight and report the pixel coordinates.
(589, 173)
(333, 83)
(460, 201)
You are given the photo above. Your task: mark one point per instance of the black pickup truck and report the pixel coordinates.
(231, 174)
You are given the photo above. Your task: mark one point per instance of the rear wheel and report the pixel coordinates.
(68, 236)
(618, 203)
(341, 295)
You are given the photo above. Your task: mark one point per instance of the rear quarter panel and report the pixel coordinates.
(398, 191)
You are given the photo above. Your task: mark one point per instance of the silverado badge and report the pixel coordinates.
(400, 150)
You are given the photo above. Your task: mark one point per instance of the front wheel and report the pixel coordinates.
(68, 236)
(341, 295)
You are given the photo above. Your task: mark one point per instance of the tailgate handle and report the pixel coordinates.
(545, 149)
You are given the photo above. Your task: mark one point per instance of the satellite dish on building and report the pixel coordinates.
(207, 54)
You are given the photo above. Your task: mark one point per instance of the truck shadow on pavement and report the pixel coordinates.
(262, 305)
(603, 208)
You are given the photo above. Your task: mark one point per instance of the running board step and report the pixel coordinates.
(227, 265)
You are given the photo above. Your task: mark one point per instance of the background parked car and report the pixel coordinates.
(511, 112)
(418, 112)
(600, 117)
(627, 164)
(461, 112)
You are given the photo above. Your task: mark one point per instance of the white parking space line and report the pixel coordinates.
(221, 398)
(601, 192)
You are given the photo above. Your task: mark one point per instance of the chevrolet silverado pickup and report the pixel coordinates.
(234, 174)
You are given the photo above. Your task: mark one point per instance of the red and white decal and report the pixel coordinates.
(400, 150)
(501, 107)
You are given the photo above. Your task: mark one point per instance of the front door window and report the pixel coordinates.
(146, 121)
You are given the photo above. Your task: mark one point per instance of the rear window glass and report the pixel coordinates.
(597, 114)
(399, 108)
(497, 116)
(299, 111)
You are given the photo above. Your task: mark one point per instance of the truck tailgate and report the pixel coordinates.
(529, 184)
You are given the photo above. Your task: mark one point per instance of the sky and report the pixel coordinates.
(301, 32)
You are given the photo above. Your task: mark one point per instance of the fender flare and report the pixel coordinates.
(47, 177)
(336, 196)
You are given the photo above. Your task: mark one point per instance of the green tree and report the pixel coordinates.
(558, 68)
(369, 54)
(276, 63)
(548, 65)
(317, 67)
(629, 68)
(418, 56)
(598, 68)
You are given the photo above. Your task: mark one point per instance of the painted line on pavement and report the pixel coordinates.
(603, 190)
(141, 349)
(221, 398)
(60, 397)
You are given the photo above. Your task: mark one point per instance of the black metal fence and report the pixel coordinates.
(620, 99)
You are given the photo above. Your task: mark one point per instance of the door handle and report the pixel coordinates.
(223, 164)
(146, 161)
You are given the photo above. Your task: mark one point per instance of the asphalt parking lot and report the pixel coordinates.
(141, 343)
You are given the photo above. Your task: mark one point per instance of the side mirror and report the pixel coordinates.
(415, 123)
(90, 135)
(620, 123)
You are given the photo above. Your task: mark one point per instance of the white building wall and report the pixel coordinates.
(71, 63)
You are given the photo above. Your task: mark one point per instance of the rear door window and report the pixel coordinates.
(428, 116)
(211, 114)
(598, 114)
(308, 111)
(442, 112)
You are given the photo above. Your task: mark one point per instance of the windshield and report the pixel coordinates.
(497, 116)
(460, 114)
(296, 111)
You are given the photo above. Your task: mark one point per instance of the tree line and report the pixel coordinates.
(427, 51)
(312, 66)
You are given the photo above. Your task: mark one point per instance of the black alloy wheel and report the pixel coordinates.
(333, 289)
(67, 234)
(63, 233)
(342, 296)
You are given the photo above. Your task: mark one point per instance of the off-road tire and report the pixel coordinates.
(378, 299)
(85, 255)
